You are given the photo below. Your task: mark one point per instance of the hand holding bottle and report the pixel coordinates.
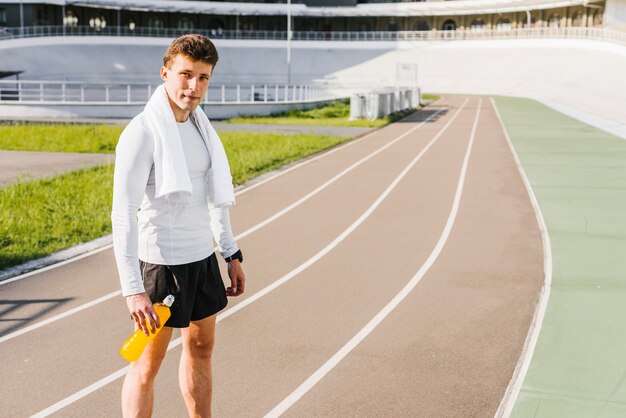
(143, 313)
(132, 349)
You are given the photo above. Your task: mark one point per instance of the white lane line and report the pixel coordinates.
(517, 379)
(237, 237)
(108, 379)
(374, 322)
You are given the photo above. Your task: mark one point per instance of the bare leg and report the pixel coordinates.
(138, 389)
(194, 373)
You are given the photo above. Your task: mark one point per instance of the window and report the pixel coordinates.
(422, 25)
(577, 19)
(98, 22)
(70, 19)
(449, 25)
(185, 23)
(3, 16)
(477, 25)
(503, 24)
(554, 21)
(156, 23)
(597, 18)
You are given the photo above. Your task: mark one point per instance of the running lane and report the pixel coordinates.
(449, 348)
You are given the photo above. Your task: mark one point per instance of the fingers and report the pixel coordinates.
(237, 279)
(143, 313)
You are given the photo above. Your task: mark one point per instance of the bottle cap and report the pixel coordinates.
(168, 301)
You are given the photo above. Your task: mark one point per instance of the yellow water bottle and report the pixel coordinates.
(135, 344)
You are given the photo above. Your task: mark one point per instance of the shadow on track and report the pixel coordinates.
(9, 312)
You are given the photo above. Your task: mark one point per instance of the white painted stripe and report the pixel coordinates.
(60, 316)
(237, 237)
(519, 374)
(102, 382)
(406, 290)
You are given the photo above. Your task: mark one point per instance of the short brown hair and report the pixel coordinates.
(196, 47)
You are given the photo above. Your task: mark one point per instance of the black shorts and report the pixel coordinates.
(197, 287)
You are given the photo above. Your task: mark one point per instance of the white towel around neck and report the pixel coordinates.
(170, 168)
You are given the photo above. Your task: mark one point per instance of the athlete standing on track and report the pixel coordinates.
(171, 166)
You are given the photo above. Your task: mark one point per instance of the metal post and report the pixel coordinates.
(288, 41)
(252, 93)
(119, 22)
(265, 93)
(528, 20)
(223, 93)
(128, 93)
(276, 93)
(82, 93)
(238, 93)
(107, 93)
(41, 92)
(21, 18)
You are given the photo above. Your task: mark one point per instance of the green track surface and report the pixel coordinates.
(578, 174)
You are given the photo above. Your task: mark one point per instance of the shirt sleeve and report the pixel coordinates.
(133, 161)
(222, 231)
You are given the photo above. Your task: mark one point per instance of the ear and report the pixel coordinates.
(164, 71)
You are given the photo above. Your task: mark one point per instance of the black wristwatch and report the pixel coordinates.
(237, 256)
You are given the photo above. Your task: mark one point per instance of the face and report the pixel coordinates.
(186, 83)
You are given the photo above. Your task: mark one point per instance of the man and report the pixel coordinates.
(171, 166)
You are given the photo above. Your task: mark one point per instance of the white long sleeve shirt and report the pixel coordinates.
(170, 230)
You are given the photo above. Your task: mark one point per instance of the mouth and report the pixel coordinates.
(185, 96)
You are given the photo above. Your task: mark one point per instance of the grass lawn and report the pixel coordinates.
(334, 114)
(44, 216)
(60, 138)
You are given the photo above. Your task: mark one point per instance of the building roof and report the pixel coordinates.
(429, 8)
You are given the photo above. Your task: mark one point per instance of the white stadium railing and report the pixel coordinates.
(399, 36)
(77, 92)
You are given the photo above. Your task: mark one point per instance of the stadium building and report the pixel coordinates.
(57, 55)
(307, 15)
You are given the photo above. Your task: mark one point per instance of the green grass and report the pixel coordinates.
(251, 154)
(334, 114)
(432, 97)
(59, 138)
(44, 216)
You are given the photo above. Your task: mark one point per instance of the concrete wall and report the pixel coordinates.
(139, 59)
(588, 75)
(615, 15)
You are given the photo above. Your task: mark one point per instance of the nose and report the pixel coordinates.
(193, 84)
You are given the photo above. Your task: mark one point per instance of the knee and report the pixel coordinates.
(200, 348)
(144, 372)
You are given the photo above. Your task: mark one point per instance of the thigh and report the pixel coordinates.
(155, 351)
(199, 337)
